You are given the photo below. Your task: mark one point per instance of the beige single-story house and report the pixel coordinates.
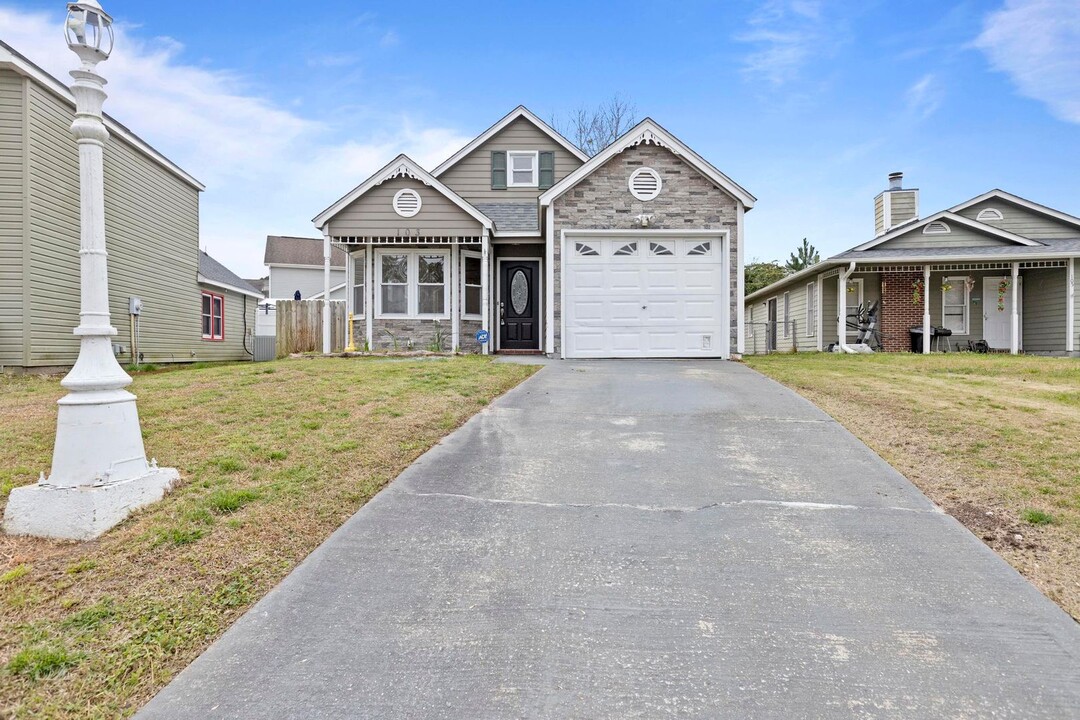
(635, 252)
(996, 272)
(168, 301)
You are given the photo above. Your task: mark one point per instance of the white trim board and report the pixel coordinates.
(11, 58)
(519, 112)
(401, 166)
(202, 280)
(649, 132)
(953, 218)
(1017, 200)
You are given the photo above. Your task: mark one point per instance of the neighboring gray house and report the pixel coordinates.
(152, 226)
(296, 263)
(636, 252)
(997, 268)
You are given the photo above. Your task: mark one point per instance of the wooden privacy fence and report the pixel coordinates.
(300, 326)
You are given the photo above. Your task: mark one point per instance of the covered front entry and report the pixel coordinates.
(647, 294)
(519, 304)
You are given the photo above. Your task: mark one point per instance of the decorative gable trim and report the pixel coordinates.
(1034, 207)
(951, 217)
(401, 166)
(519, 112)
(648, 132)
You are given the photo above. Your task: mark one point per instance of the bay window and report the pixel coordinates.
(413, 283)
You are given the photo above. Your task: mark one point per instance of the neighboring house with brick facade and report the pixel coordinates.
(997, 268)
(636, 252)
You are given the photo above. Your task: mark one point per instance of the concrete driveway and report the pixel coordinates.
(643, 539)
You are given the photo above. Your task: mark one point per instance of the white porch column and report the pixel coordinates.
(841, 309)
(326, 291)
(549, 282)
(455, 296)
(740, 310)
(485, 289)
(1070, 305)
(1014, 329)
(369, 294)
(926, 310)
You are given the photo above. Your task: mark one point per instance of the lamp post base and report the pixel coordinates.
(84, 512)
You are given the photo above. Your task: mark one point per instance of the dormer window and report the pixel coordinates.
(524, 168)
(936, 228)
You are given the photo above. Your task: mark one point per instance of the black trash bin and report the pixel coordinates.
(916, 338)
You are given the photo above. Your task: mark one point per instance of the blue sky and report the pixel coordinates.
(280, 108)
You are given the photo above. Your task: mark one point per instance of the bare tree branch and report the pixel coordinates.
(593, 129)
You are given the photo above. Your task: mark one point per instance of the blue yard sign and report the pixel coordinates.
(482, 336)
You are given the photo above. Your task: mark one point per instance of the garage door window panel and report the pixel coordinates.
(587, 249)
(657, 249)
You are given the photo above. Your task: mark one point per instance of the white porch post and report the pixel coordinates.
(1014, 329)
(485, 290)
(549, 282)
(740, 310)
(369, 294)
(326, 291)
(455, 296)
(99, 470)
(1070, 305)
(841, 309)
(926, 310)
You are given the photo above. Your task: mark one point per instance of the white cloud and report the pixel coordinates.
(787, 34)
(924, 97)
(1037, 43)
(268, 169)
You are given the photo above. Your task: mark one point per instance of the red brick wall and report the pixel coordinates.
(898, 313)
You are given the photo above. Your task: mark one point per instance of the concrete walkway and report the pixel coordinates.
(644, 539)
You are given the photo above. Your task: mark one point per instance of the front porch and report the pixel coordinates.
(1027, 306)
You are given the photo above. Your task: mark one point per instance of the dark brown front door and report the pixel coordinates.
(519, 305)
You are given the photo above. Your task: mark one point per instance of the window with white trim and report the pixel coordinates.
(213, 316)
(394, 281)
(787, 314)
(359, 276)
(413, 283)
(471, 280)
(811, 309)
(955, 305)
(431, 285)
(523, 168)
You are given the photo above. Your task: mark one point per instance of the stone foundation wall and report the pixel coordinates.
(898, 313)
(417, 334)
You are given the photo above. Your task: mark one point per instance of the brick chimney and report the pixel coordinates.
(895, 206)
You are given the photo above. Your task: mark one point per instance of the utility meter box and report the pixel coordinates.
(135, 305)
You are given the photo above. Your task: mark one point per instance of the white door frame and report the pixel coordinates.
(987, 307)
(539, 298)
(723, 235)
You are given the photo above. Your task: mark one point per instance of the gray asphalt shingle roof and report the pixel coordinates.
(285, 250)
(1049, 246)
(512, 216)
(214, 271)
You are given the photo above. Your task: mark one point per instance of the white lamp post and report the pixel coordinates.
(99, 469)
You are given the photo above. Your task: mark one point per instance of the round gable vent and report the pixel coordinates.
(645, 183)
(407, 202)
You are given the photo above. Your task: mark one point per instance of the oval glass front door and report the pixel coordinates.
(519, 292)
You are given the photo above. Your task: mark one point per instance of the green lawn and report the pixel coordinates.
(993, 439)
(273, 457)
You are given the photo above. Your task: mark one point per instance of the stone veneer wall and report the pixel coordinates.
(421, 332)
(688, 201)
(898, 313)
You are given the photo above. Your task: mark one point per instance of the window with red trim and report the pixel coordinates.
(213, 316)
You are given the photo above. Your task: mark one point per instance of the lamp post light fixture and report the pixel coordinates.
(99, 468)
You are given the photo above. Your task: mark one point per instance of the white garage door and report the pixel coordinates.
(644, 296)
